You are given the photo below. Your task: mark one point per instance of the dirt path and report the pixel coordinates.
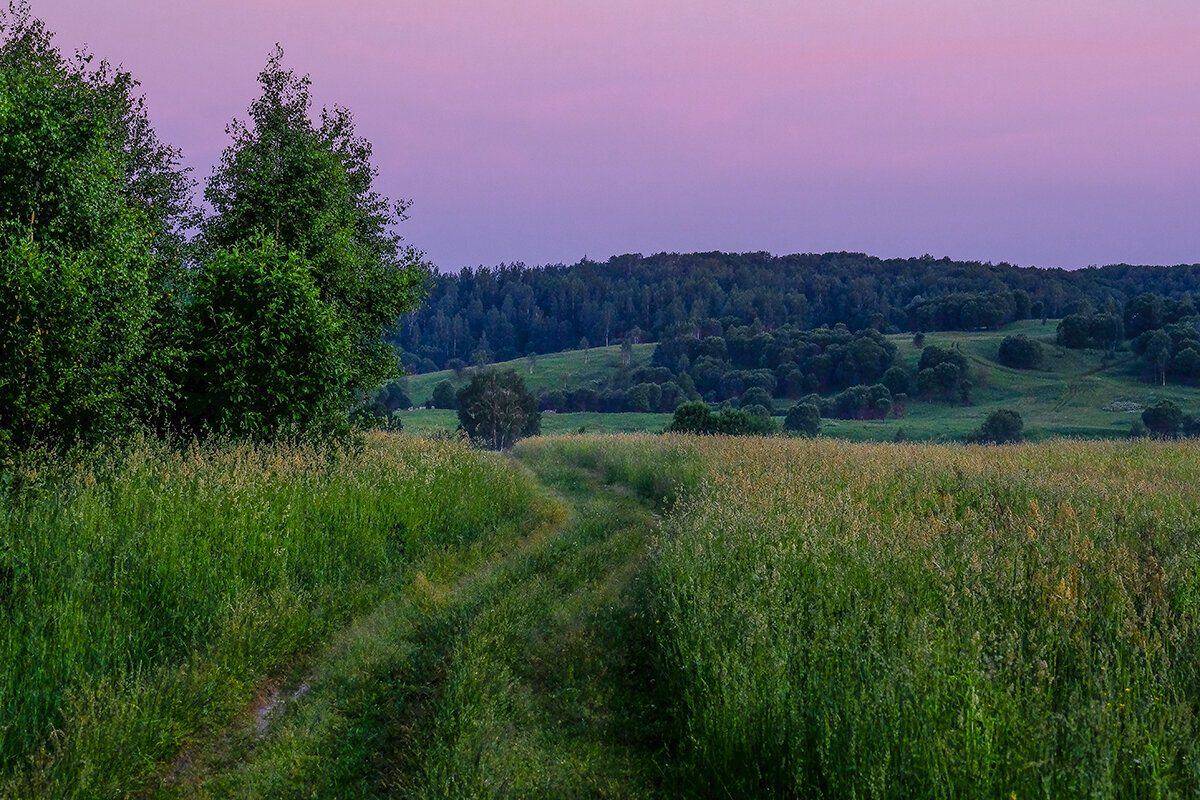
(530, 674)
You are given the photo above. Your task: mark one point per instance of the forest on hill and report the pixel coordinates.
(509, 311)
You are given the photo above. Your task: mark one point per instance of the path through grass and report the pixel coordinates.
(523, 673)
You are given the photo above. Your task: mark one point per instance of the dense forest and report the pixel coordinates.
(506, 312)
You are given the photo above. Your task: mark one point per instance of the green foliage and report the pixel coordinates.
(697, 295)
(89, 266)
(942, 374)
(443, 396)
(1164, 419)
(697, 418)
(309, 188)
(495, 409)
(267, 356)
(692, 417)
(860, 402)
(803, 418)
(1002, 426)
(1020, 352)
(757, 396)
(1103, 330)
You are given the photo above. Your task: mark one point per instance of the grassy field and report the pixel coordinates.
(148, 598)
(566, 370)
(604, 616)
(897, 620)
(1078, 393)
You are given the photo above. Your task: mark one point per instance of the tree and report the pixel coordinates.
(803, 418)
(694, 417)
(1003, 426)
(757, 396)
(897, 380)
(267, 355)
(496, 409)
(85, 189)
(308, 187)
(1157, 351)
(1163, 419)
(443, 395)
(1020, 352)
(752, 421)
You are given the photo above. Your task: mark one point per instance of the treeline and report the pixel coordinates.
(506, 312)
(125, 307)
(1163, 331)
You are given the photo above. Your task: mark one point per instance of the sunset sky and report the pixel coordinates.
(1055, 134)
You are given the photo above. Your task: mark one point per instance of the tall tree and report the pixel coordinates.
(308, 185)
(90, 201)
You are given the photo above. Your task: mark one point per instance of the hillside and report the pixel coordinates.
(1077, 393)
(513, 310)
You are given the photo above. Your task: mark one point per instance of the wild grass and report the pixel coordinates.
(146, 596)
(940, 621)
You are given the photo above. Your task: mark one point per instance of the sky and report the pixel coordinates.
(1055, 134)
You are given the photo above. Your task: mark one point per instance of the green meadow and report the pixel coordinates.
(603, 616)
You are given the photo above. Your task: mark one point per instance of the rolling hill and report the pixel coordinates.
(1078, 393)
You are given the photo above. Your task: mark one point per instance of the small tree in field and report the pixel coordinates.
(1164, 419)
(496, 410)
(1020, 352)
(1003, 426)
(443, 395)
(803, 418)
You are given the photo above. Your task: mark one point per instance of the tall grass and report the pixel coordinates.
(889, 621)
(144, 597)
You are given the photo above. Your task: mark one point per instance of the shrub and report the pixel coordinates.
(443, 395)
(803, 418)
(1003, 426)
(1020, 352)
(1164, 419)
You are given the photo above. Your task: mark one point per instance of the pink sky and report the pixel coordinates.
(1055, 134)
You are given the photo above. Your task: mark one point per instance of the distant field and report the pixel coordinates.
(566, 370)
(1078, 394)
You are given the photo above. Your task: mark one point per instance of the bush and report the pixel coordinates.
(803, 418)
(1164, 419)
(697, 418)
(1003, 426)
(443, 395)
(757, 396)
(266, 353)
(693, 417)
(1020, 352)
